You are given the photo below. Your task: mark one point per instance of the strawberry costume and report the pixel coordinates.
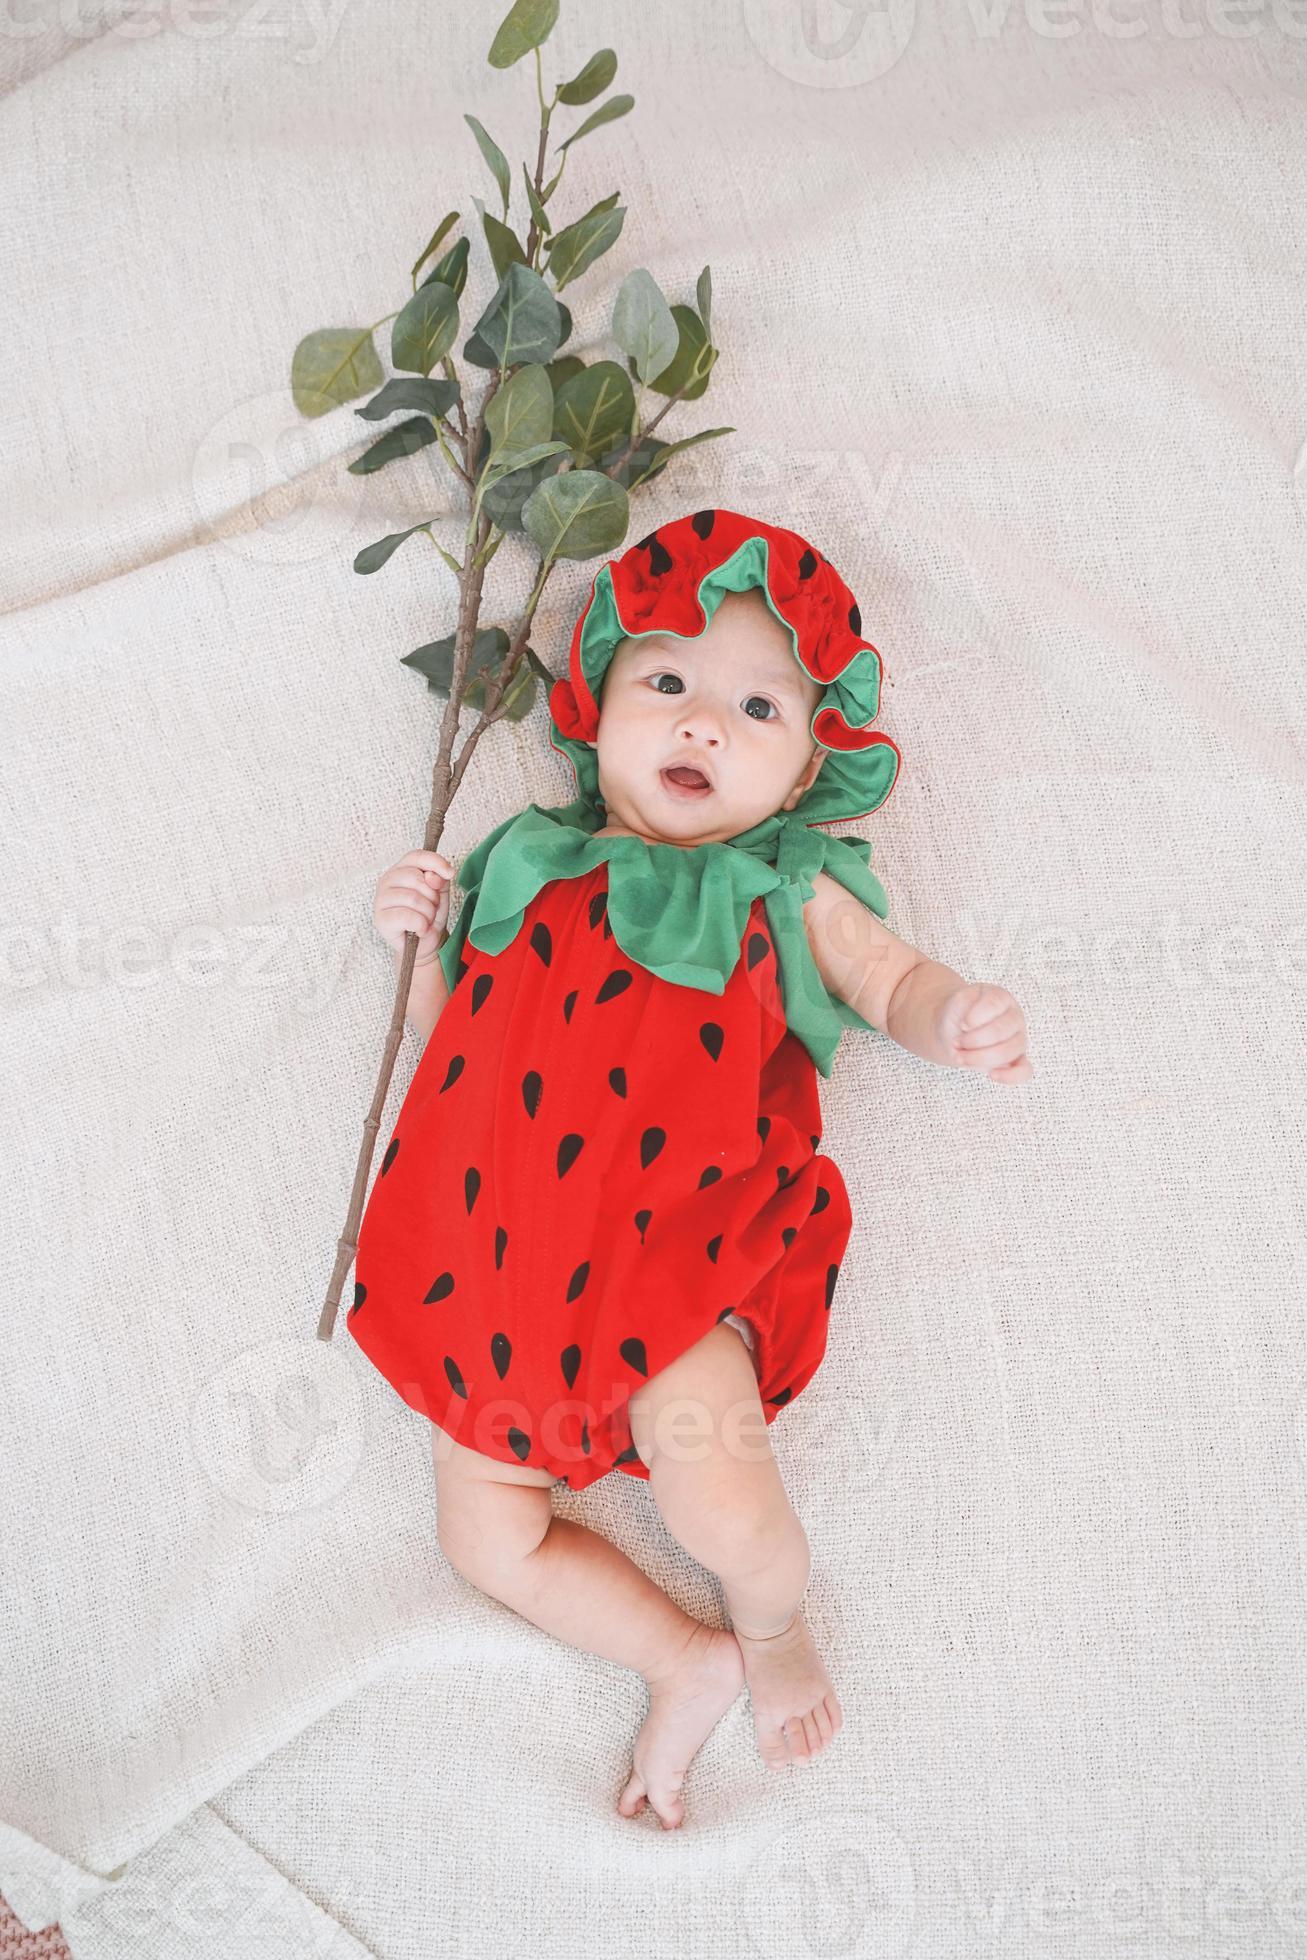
(610, 1142)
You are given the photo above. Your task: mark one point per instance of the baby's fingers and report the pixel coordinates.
(1001, 1028)
(1021, 1070)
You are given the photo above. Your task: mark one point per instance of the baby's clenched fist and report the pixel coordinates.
(413, 896)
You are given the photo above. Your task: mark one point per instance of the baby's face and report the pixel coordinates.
(733, 703)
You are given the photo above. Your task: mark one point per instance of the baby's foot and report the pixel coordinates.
(685, 1705)
(796, 1711)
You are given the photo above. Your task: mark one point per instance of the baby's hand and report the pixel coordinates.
(413, 896)
(982, 1026)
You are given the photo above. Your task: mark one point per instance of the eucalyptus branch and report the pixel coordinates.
(548, 417)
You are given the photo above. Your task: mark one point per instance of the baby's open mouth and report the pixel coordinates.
(686, 782)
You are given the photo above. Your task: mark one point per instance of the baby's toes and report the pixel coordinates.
(632, 1800)
(772, 1745)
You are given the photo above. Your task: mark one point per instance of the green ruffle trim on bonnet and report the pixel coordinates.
(679, 912)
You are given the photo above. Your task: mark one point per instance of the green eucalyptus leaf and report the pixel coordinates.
(537, 209)
(575, 248)
(616, 105)
(449, 218)
(523, 321)
(405, 439)
(565, 324)
(578, 514)
(693, 358)
(424, 329)
(521, 414)
(476, 351)
(592, 80)
(373, 556)
(687, 442)
(494, 156)
(506, 247)
(332, 366)
(563, 369)
(521, 694)
(643, 326)
(592, 412)
(538, 664)
(703, 294)
(427, 397)
(435, 660)
(526, 25)
(518, 460)
(452, 269)
(503, 497)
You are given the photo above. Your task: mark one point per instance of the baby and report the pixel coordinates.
(650, 1003)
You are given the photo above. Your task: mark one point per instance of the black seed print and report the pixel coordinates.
(570, 1361)
(617, 1081)
(650, 1144)
(714, 1246)
(392, 1151)
(832, 1274)
(577, 1282)
(779, 1401)
(710, 1176)
(460, 970)
(501, 1240)
(631, 1452)
(712, 1036)
(501, 1353)
(569, 1004)
(814, 1141)
(520, 1444)
(660, 558)
(568, 1152)
(531, 1087)
(855, 617)
(471, 1185)
(641, 1220)
(702, 522)
(442, 1288)
(452, 1073)
(632, 1352)
(598, 908)
(456, 1381)
(764, 1125)
(789, 1235)
(807, 564)
(542, 941)
(360, 1295)
(480, 989)
(617, 983)
(756, 948)
(585, 1436)
(782, 1176)
(821, 1201)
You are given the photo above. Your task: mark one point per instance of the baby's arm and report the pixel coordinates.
(924, 1006)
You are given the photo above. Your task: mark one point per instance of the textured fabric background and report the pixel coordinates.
(1011, 308)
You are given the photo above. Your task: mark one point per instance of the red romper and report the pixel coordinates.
(591, 1168)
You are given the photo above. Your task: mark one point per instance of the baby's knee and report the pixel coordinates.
(487, 1530)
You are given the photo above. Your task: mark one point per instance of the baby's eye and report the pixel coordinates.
(655, 678)
(766, 704)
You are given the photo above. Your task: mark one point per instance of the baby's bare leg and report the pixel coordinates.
(700, 1427)
(496, 1525)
